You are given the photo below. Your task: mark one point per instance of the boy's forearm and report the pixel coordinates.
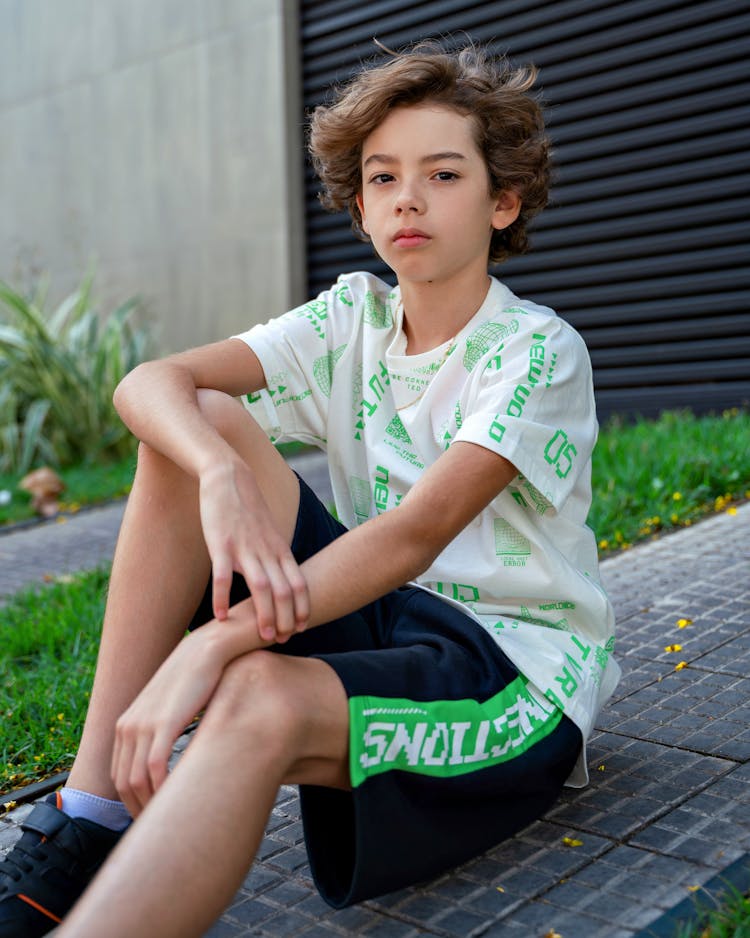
(158, 402)
(365, 563)
(353, 570)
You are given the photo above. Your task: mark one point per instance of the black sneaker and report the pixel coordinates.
(48, 869)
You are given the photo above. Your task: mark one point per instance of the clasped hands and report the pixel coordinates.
(241, 536)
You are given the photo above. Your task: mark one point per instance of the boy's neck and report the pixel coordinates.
(435, 312)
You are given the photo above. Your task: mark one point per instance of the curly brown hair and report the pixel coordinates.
(508, 122)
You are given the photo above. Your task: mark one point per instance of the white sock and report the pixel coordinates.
(111, 814)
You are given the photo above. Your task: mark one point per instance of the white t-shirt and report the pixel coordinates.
(516, 380)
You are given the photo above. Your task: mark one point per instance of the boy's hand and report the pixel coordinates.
(241, 536)
(180, 689)
(148, 729)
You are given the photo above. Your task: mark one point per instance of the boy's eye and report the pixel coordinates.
(381, 178)
(446, 175)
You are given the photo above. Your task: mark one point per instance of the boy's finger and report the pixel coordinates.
(300, 594)
(158, 759)
(222, 583)
(259, 585)
(283, 600)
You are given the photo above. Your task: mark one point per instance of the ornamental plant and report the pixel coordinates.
(58, 371)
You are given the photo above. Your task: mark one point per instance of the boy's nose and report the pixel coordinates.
(409, 200)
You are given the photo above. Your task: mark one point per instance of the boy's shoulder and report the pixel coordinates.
(357, 284)
(526, 316)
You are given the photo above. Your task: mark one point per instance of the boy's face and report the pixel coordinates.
(425, 198)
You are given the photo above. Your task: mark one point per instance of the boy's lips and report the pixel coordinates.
(410, 238)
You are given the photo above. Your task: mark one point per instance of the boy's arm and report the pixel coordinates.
(159, 401)
(392, 548)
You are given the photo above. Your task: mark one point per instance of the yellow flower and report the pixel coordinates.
(681, 666)
(732, 510)
(672, 648)
(676, 496)
(572, 842)
(684, 623)
(603, 544)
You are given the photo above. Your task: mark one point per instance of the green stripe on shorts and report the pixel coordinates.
(445, 737)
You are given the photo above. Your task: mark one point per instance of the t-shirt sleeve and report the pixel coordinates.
(532, 401)
(298, 352)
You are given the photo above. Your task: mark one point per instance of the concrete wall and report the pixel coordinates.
(162, 140)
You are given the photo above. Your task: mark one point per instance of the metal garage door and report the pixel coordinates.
(644, 247)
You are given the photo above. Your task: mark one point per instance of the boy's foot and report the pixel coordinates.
(48, 869)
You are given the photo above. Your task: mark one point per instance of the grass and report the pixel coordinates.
(651, 477)
(49, 637)
(731, 919)
(648, 477)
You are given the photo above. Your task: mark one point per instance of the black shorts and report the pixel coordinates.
(451, 749)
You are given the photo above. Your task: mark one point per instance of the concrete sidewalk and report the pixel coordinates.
(665, 819)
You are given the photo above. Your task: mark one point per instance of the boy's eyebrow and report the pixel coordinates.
(430, 158)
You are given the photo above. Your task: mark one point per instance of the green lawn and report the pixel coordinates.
(648, 477)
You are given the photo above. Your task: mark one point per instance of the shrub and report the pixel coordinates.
(57, 375)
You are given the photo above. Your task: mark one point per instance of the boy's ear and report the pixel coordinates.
(361, 207)
(507, 209)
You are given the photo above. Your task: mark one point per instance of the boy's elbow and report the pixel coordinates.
(122, 391)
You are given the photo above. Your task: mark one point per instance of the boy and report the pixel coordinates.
(424, 722)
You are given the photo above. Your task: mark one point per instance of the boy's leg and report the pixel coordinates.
(273, 719)
(159, 573)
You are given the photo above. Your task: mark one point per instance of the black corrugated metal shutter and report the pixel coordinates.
(644, 247)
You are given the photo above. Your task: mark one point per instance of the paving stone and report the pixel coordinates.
(225, 929)
(714, 698)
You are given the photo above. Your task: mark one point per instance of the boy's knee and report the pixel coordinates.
(253, 696)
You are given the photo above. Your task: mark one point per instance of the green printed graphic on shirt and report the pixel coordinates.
(557, 604)
(381, 490)
(510, 544)
(344, 294)
(373, 395)
(526, 615)
(536, 358)
(316, 312)
(551, 370)
(445, 430)
(539, 360)
(560, 453)
(527, 496)
(583, 661)
(462, 592)
(376, 312)
(361, 496)
(356, 386)
(496, 430)
(445, 738)
(323, 369)
(280, 393)
(397, 430)
(484, 338)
